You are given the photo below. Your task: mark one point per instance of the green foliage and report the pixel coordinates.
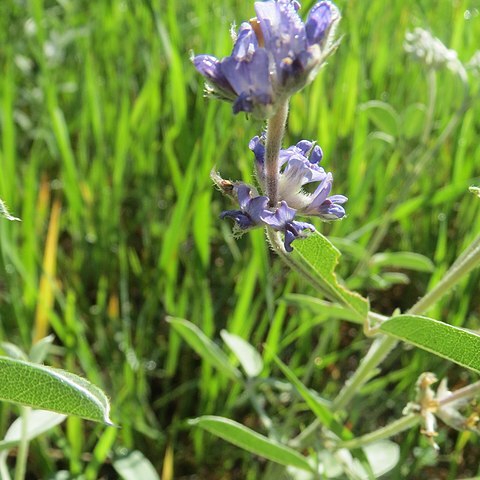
(48, 388)
(133, 466)
(208, 350)
(320, 258)
(252, 441)
(455, 344)
(102, 110)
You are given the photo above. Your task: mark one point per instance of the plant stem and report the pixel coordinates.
(464, 393)
(456, 272)
(383, 345)
(275, 132)
(388, 431)
(379, 349)
(432, 96)
(409, 420)
(22, 453)
(405, 186)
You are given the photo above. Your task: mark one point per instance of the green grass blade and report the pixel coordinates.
(207, 349)
(316, 405)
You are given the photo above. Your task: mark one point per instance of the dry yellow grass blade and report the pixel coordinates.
(47, 280)
(167, 470)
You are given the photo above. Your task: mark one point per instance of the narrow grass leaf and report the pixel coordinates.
(316, 405)
(52, 389)
(252, 441)
(247, 355)
(320, 258)
(453, 343)
(47, 281)
(205, 347)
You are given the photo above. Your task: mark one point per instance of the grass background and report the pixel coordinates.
(106, 144)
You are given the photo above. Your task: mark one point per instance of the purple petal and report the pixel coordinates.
(331, 211)
(257, 146)
(282, 215)
(320, 194)
(209, 67)
(294, 230)
(257, 207)
(250, 79)
(246, 43)
(340, 199)
(299, 171)
(304, 146)
(240, 218)
(316, 155)
(318, 22)
(284, 36)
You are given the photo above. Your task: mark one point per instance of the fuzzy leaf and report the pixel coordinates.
(51, 389)
(205, 347)
(249, 358)
(133, 466)
(453, 343)
(407, 260)
(38, 422)
(252, 441)
(320, 258)
(316, 405)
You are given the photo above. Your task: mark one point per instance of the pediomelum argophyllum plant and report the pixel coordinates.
(274, 56)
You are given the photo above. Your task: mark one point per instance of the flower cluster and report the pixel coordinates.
(443, 404)
(299, 167)
(274, 55)
(430, 50)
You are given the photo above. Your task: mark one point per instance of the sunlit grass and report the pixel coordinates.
(102, 112)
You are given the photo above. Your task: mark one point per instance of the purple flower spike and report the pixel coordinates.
(300, 166)
(274, 56)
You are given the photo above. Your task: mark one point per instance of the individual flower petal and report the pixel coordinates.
(217, 83)
(252, 207)
(250, 80)
(278, 219)
(294, 230)
(318, 22)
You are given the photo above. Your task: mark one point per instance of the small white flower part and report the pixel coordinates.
(430, 50)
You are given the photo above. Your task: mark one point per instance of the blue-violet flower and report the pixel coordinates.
(274, 55)
(254, 212)
(299, 166)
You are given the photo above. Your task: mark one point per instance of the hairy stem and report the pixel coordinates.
(465, 393)
(388, 431)
(420, 163)
(22, 454)
(379, 350)
(275, 132)
(456, 272)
